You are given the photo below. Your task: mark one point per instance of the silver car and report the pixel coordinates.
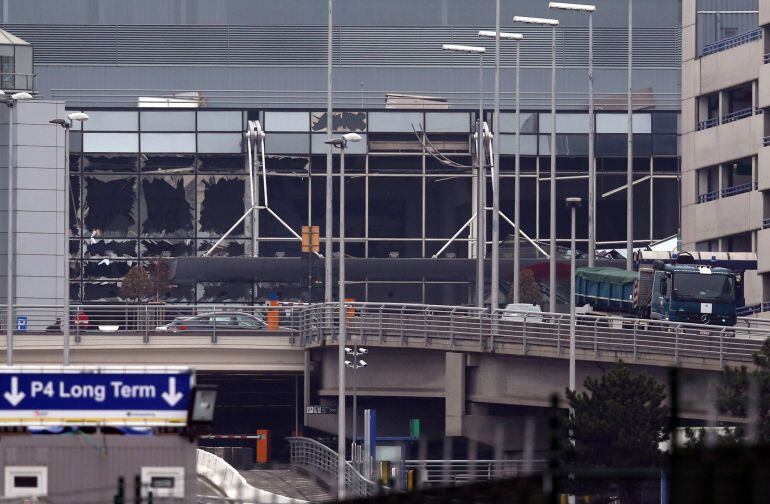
(215, 321)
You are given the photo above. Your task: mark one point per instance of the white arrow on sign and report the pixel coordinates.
(172, 396)
(14, 396)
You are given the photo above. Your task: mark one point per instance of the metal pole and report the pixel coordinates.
(329, 181)
(630, 152)
(517, 185)
(591, 153)
(341, 338)
(480, 193)
(355, 394)
(66, 299)
(9, 262)
(572, 304)
(495, 280)
(552, 261)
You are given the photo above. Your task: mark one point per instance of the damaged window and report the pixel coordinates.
(228, 248)
(288, 199)
(74, 205)
(221, 202)
(106, 269)
(342, 122)
(215, 292)
(167, 163)
(109, 208)
(110, 248)
(115, 163)
(166, 206)
(290, 164)
(227, 163)
(101, 291)
(167, 248)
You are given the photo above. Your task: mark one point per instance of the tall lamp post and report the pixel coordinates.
(357, 363)
(329, 172)
(630, 149)
(572, 203)
(67, 125)
(342, 144)
(480, 175)
(10, 101)
(589, 9)
(553, 23)
(496, 172)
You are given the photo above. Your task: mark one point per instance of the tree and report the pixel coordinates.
(737, 385)
(617, 423)
(529, 290)
(136, 284)
(160, 274)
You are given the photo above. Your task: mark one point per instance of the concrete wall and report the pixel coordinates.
(86, 469)
(38, 157)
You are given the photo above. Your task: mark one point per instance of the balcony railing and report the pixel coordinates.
(708, 123)
(766, 141)
(766, 223)
(709, 196)
(738, 114)
(723, 45)
(738, 189)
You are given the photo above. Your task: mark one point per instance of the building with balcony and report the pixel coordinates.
(725, 127)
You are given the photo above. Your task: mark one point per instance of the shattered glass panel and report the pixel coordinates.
(221, 202)
(167, 206)
(284, 164)
(281, 249)
(109, 163)
(109, 248)
(215, 292)
(74, 270)
(75, 292)
(181, 293)
(228, 248)
(167, 163)
(74, 205)
(288, 199)
(342, 122)
(75, 248)
(167, 248)
(106, 269)
(109, 206)
(226, 163)
(75, 163)
(101, 291)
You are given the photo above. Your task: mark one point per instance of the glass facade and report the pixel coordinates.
(149, 183)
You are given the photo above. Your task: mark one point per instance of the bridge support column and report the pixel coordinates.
(454, 393)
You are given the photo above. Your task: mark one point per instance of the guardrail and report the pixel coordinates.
(319, 457)
(451, 472)
(724, 44)
(739, 189)
(709, 196)
(738, 114)
(708, 123)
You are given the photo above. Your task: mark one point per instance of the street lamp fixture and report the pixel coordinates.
(572, 7)
(481, 192)
(341, 143)
(503, 35)
(553, 23)
(67, 125)
(572, 203)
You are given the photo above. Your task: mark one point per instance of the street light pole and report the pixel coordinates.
(329, 174)
(495, 280)
(10, 101)
(496, 174)
(481, 180)
(572, 203)
(553, 23)
(630, 150)
(341, 144)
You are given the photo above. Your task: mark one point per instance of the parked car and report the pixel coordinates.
(219, 321)
(518, 312)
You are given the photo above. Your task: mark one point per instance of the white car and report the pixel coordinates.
(519, 312)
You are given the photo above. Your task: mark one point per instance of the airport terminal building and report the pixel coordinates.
(160, 168)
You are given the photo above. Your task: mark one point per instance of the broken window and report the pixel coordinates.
(216, 292)
(395, 207)
(109, 206)
(228, 248)
(106, 269)
(115, 163)
(166, 206)
(227, 163)
(167, 163)
(167, 248)
(221, 203)
(288, 199)
(110, 248)
(74, 205)
(101, 291)
(342, 122)
(287, 164)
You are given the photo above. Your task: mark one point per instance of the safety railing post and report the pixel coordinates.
(379, 325)
(214, 332)
(524, 335)
(721, 342)
(481, 331)
(425, 324)
(146, 325)
(596, 337)
(77, 325)
(452, 328)
(635, 324)
(676, 343)
(401, 324)
(558, 335)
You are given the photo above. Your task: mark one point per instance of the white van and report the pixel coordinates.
(519, 311)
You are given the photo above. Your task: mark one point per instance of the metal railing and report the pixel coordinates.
(708, 123)
(738, 114)
(766, 223)
(739, 189)
(319, 457)
(766, 58)
(724, 44)
(709, 196)
(451, 472)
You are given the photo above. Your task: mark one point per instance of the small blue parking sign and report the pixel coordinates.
(22, 322)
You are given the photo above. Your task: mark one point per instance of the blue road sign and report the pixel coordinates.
(22, 323)
(93, 396)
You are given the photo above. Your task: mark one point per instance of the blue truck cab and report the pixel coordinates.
(693, 293)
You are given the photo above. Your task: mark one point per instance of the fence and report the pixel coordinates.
(322, 459)
(451, 472)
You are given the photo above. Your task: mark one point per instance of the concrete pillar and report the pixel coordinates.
(454, 393)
